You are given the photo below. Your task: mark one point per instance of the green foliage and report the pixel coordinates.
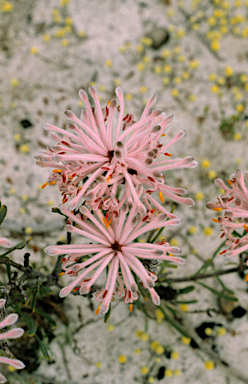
(217, 293)
(188, 289)
(107, 315)
(3, 212)
(42, 347)
(227, 126)
(31, 324)
(174, 323)
(17, 246)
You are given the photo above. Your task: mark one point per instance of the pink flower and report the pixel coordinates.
(114, 247)
(12, 334)
(234, 202)
(104, 151)
(6, 243)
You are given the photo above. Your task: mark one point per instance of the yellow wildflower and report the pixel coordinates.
(221, 331)
(207, 231)
(34, 50)
(175, 92)
(212, 174)
(185, 340)
(168, 373)
(144, 370)
(110, 327)
(192, 230)
(205, 163)
(240, 108)
(193, 64)
(184, 307)
(237, 136)
(177, 372)
(212, 76)
(166, 80)
(174, 355)
(24, 148)
(211, 21)
(143, 89)
(167, 68)
(129, 96)
(199, 196)
(209, 365)
(14, 82)
(7, 6)
(109, 63)
(159, 350)
(46, 37)
(215, 88)
(122, 359)
(166, 53)
(215, 45)
(221, 80)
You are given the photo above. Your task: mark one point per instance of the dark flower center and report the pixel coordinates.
(116, 246)
(111, 155)
(132, 171)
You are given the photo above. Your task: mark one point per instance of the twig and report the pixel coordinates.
(205, 275)
(66, 365)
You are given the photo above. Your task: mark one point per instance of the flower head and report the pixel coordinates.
(105, 151)
(12, 334)
(6, 243)
(113, 237)
(234, 202)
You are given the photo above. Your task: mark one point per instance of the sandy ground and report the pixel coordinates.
(40, 78)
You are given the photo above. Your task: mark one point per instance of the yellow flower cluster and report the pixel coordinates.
(223, 18)
(65, 26)
(228, 81)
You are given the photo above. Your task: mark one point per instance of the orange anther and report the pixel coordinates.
(130, 307)
(161, 197)
(215, 220)
(246, 278)
(245, 227)
(108, 102)
(53, 182)
(108, 223)
(61, 273)
(221, 253)
(229, 182)
(163, 135)
(217, 209)
(98, 310)
(57, 170)
(167, 154)
(44, 185)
